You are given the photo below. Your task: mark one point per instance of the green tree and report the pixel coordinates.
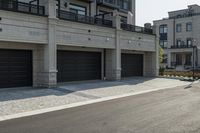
(161, 54)
(161, 57)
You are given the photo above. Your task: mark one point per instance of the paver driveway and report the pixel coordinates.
(14, 101)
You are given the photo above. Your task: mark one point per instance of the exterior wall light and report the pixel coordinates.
(129, 42)
(107, 39)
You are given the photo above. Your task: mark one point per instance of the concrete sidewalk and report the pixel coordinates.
(19, 100)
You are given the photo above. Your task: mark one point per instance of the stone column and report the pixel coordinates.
(113, 57)
(133, 10)
(183, 59)
(169, 59)
(198, 57)
(50, 50)
(156, 64)
(93, 8)
(195, 58)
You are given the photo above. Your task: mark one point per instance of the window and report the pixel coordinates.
(124, 4)
(178, 59)
(189, 26)
(123, 19)
(78, 9)
(110, 1)
(104, 14)
(163, 29)
(8, 3)
(164, 58)
(178, 42)
(188, 59)
(178, 28)
(163, 43)
(189, 42)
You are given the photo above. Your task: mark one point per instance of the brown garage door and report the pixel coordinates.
(15, 68)
(78, 65)
(132, 65)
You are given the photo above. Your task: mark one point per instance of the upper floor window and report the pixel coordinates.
(104, 14)
(178, 42)
(164, 58)
(163, 29)
(163, 44)
(78, 9)
(110, 1)
(178, 28)
(123, 19)
(189, 26)
(189, 42)
(124, 4)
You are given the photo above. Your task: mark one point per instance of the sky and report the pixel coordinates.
(149, 10)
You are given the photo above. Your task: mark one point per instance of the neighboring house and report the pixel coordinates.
(178, 34)
(45, 42)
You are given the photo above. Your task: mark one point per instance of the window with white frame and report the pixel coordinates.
(81, 10)
(178, 28)
(163, 43)
(189, 42)
(189, 26)
(163, 29)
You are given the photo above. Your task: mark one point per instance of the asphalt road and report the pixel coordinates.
(167, 111)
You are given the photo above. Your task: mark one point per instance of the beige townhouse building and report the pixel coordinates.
(179, 36)
(47, 42)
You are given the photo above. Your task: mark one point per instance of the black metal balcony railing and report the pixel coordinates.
(174, 64)
(134, 28)
(181, 46)
(22, 7)
(188, 63)
(66, 15)
(185, 15)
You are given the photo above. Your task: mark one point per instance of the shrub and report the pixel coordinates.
(183, 73)
(161, 71)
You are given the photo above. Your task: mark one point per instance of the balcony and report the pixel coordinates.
(137, 29)
(181, 46)
(66, 15)
(22, 7)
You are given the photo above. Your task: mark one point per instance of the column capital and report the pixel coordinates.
(116, 20)
(51, 8)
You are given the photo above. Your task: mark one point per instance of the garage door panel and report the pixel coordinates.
(132, 65)
(78, 65)
(17, 66)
